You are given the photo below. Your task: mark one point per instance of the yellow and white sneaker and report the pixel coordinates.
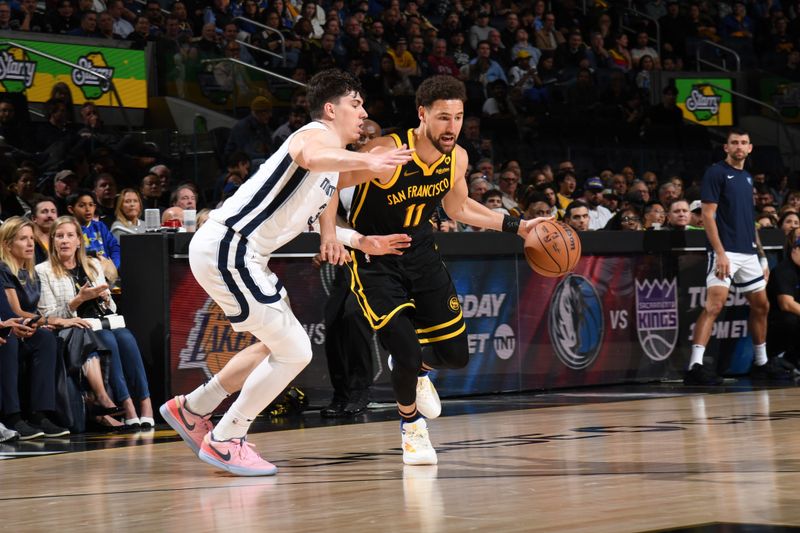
(417, 448)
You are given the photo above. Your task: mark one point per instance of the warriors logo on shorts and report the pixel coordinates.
(453, 304)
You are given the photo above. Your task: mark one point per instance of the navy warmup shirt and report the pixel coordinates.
(732, 190)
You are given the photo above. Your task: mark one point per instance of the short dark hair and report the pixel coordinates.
(329, 86)
(736, 131)
(39, 201)
(73, 198)
(237, 157)
(440, 87)
(575, 204)
(491, 193)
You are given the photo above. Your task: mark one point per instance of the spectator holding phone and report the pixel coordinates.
(37, 346)
(74, 288)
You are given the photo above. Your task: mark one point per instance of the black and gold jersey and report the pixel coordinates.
(406, 203)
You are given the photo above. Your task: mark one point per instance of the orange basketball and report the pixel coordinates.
(552, 249)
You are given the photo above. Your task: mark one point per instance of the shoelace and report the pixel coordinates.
(418, 436)
(247, 449)
(206, 421)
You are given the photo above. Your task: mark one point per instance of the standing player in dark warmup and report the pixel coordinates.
(733, 256)
(410, 299)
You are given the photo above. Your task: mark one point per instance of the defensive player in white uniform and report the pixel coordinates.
(229, 256)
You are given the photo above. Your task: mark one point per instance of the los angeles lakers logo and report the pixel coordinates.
(453, 304)
(211, 342)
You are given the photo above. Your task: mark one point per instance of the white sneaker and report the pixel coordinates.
(428, 403)
(417, 448)
(8, 435)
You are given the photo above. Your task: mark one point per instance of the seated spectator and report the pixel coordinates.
(639, 189)
(695, 215)
(643, 49)
(105, 190)
(74, 288)
(593, 198)
(100, 243)
(493, 199)
(766, 220)
(65, 182)
(597, 54)
(626, 219)
(537, 206)
(791, 200)
(667, 192)
(483, 68)
(88, 26)
(63, 20)
(619, 56)
(298, 117)
(548, 38)
(509, 182)
(788, 222)
(678, 215)
(43, 213)
(12, 130)
(184, 196)
(783, 291)
(57, 128)
(39, 348)
(128, 214)
(24, 193)
(567, 183)
(654, 215)
(478, 186)
(237, 163)
(30, 19)
(173, 214)
(441, 63)
(152, 192)
(252, 134)
(576, 215)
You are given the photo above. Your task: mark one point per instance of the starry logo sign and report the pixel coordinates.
(92, 87)
(16, 70)
(703, 102)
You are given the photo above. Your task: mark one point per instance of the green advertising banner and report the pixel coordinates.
(35, 75)
(703, 102)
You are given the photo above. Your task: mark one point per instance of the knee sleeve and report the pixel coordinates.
(452, 353)
(400, 339)
(294, 347)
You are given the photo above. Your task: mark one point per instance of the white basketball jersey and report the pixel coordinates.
(280, 201)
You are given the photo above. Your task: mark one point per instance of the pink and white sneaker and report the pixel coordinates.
(191, 427)
(236, 456)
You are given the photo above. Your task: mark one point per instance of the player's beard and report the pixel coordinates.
(436, 144)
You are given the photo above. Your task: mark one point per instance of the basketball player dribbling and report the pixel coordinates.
(229, 254)
(410, 300)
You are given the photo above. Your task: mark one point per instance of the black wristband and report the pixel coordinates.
(510, 224)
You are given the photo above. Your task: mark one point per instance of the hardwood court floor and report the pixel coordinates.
(641, 465)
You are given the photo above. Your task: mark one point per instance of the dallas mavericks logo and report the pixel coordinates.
(575, 322)
(657, 317)
(211, 342)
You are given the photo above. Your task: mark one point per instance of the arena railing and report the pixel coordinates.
(724, 67)
(269, 30)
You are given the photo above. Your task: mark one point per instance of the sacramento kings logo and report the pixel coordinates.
(575, 322)
(657, 317)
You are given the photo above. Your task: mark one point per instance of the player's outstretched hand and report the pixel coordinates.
(384, 244)
(334, 253)
(526, 226)
(386, 161)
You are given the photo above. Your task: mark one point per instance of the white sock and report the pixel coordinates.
(698, 350)
(205, 398)
(234, 425)
(263, 385)
(760, 354)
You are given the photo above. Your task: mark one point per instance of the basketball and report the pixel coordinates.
(552, 249)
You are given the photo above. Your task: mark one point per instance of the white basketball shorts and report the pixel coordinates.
(238, 279)
(746, 273)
